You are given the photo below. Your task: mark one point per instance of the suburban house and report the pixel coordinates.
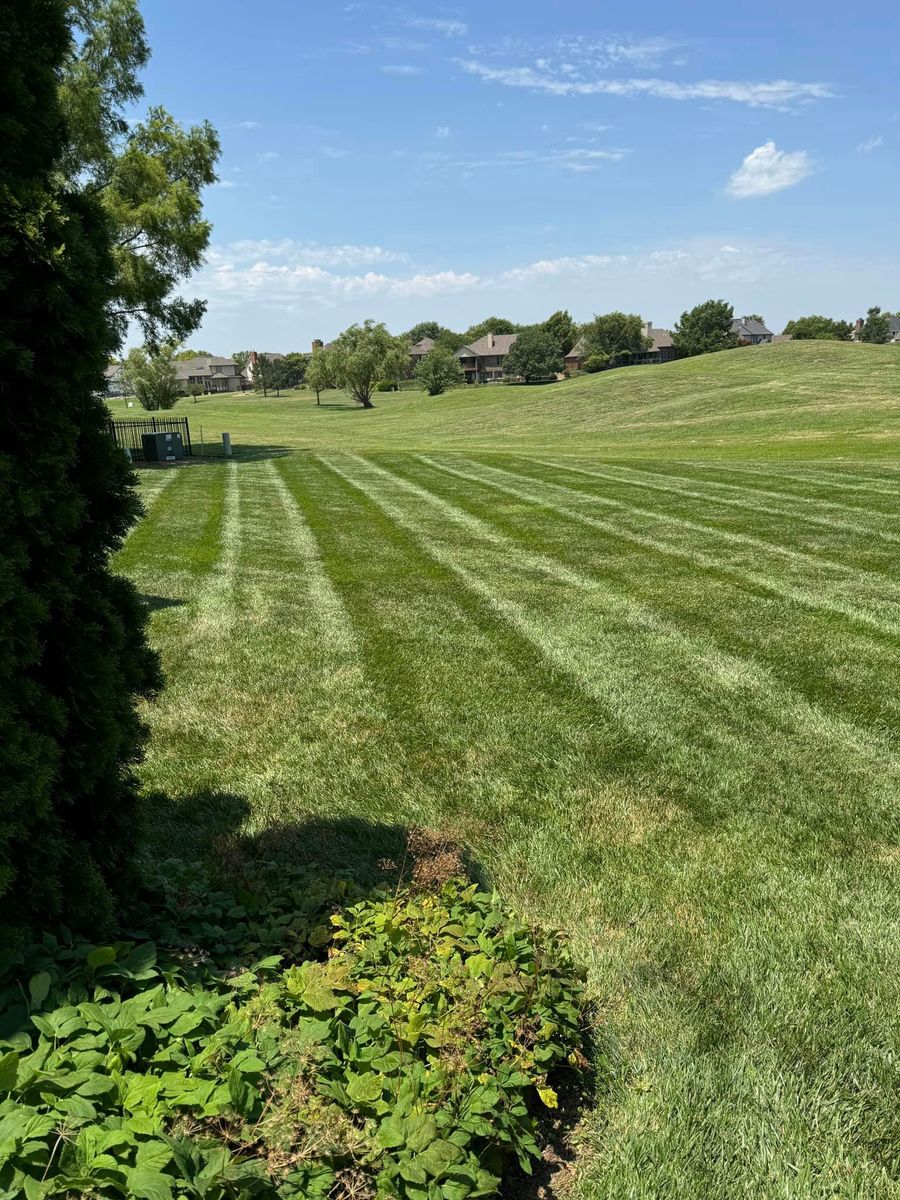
(210, 373)
(115, 379)
(661, 349)
(420, 349)
(482, 361)
(250, 369)
(893, 329)
(750, 331)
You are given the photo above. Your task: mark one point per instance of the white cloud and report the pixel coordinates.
(268, 156)
(445, 26)
(249, 124)
(329, 151)
(780, 93)
(767, 169)
(225, 183)
(442, 131)
(290, 252)
(578, 159)
(400, 69)
(870, 144)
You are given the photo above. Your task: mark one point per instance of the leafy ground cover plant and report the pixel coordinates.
(299, 1039)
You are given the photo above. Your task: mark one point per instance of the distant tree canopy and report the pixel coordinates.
(73, 657)
(438, 370)
(185, 355)
(364, 355)
(561, 327)
(820, 328)
(705, 329)
(271, 374)
(876, 327)
(489, 325)
(614, 333)
(151, 376)
(440, 334)
(534, 354)
(296, 363)
(240, 358)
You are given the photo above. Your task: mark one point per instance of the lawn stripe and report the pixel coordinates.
(737, 676)
(739, 539)
(707, 561)
(643, 481)
(747, 489)
(820, 480)
(215, 606)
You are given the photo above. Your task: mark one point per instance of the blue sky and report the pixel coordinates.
(411, 162)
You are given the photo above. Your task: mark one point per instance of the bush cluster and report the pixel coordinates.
(300, 1040)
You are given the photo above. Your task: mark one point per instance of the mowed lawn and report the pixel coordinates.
(657, 699)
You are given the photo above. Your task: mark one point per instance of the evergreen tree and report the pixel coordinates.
(876, 327)
(73, 657)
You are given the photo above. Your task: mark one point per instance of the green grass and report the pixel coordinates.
(656, 693)
(794, 400)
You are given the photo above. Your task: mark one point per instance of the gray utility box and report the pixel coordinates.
(162, 447)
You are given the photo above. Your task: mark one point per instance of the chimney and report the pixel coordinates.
(490, 341)
(648, 329)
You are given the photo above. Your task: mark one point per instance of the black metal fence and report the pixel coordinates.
(127, 434)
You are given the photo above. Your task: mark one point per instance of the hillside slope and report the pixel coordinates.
(792, 400)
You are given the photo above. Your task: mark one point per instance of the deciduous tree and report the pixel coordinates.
(489, 325)
(563, 330)
(534, 354)
(148, 176)
(73, 657)
(320, 372)
(364, 354)
(705, 329)
(819, 328)
(438, 370)
(614, 333)
(151, 376)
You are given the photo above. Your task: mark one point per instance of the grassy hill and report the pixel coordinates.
(790, 401)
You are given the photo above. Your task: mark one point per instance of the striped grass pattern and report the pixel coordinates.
(660, 703)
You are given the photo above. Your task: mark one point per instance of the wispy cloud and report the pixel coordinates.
(578, 159)
(287, 272)
(225, 183)
(289, 252)
(249, 125)
(400, 69)
(442, 131)
(447, 27)
(268, 155)
(329, 151)
(780, 93)
(767, 169)
(870, 144)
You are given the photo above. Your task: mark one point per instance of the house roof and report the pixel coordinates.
(783, 337)
(501, 344)
(114, 372)
(750, 327)
(466, 352)
(424, 346)
(202, 367)
(577, 350)
(661, 338)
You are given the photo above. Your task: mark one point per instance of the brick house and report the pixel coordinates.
(210, 373)
(482, 361)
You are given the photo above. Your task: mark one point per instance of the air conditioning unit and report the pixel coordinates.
(162, 447)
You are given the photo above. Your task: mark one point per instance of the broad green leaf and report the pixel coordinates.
(146, 1184)
(392, 1133)
(364, 1089)
(440, 1157)
(9, 1070)
(548, 1097)
(39, 988)
(101, 956)
(420, 1132)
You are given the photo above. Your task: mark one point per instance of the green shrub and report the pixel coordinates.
(394, 1043)
(386, 385)
(594, 363)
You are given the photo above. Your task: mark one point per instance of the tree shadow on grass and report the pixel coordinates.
(155, 603)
